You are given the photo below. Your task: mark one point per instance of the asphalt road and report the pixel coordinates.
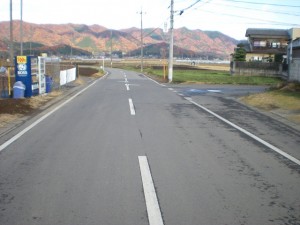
(128, 151)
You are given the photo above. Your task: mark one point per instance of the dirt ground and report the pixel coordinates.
(12, 109)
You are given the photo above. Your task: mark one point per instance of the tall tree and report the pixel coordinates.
(239, 53)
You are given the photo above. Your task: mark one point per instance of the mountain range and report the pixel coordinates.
(80, 39)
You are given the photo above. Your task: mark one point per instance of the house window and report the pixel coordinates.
(260, 43)
(275, 44)
(256, 43)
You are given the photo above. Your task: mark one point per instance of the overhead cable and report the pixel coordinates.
(260, 3)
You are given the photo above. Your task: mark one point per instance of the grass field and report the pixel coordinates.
(207, 76)
(210, 73)
(215, 77)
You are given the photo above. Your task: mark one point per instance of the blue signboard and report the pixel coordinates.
(26, 71)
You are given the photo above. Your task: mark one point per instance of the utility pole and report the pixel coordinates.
(21, 28)
(142, 42)
(170, 75)
(111, 48)
(11, 42)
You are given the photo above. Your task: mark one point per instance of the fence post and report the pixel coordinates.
(8, 80)
(77, 70)
(233, 68)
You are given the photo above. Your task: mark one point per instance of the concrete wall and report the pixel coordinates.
(294, 70)
(256, 69)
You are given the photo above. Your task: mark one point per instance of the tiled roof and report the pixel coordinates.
(267, 32)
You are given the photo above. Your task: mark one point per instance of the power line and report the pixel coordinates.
(252, 18)
(192, 5)
(256, 9)
(260, 3)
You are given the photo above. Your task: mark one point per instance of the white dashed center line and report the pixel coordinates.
(153, 210)
(131, 106)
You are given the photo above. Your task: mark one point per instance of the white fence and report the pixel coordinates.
(67, 76)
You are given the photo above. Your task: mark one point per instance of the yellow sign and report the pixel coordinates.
(21, 59)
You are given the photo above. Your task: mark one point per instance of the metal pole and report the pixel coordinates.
(11, 42)
(110, 48)
(30, 44)
(142, 43)
(21, 28)
(103, 63)
(8, 80)
(170, 75)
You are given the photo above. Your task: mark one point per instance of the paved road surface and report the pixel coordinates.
(127, 151)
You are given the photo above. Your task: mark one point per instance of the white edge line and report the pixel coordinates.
(131, 106)
(21, 133)
(293, 159)
(155, 81)
(153, 210)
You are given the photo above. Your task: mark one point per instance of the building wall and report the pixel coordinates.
(295, 33)
(294, 70)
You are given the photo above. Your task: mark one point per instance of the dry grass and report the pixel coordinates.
(294, 118)
(80, 81)
(216, 67)
(97, 75)
(37, 101)
(287, 104)
(273, 100)
(8, 118)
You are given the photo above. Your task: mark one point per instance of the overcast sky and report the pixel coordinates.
(231, 17)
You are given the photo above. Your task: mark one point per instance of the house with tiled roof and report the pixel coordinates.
(270, 45)
(264, 44)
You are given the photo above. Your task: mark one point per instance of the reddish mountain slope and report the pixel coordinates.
(96, 38)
